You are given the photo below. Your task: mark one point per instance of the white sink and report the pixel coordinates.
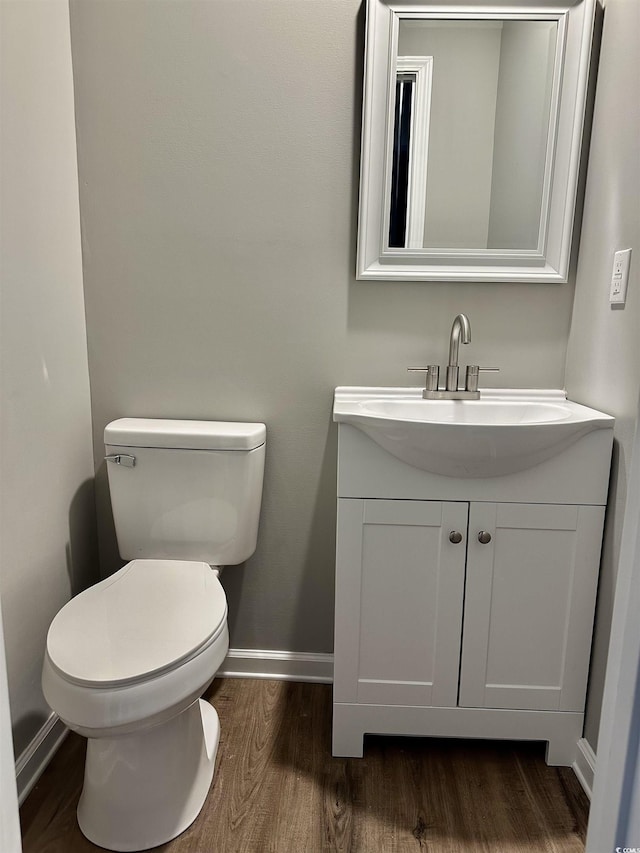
(503, 432)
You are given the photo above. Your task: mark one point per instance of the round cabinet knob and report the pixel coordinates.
(455, 537)
(484, 538)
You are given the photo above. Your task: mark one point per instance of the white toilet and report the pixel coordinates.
(128, 659)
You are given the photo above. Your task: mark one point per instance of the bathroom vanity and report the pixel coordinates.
(467, 565)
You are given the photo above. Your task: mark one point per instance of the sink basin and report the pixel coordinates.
(503, 432)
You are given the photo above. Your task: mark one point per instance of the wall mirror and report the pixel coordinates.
(472, 131)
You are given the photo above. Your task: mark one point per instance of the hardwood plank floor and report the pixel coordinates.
(278, 790)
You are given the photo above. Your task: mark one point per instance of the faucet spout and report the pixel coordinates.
(460, 332)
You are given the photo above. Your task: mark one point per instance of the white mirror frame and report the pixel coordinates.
(549, 262)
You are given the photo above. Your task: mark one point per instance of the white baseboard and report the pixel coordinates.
(584, 766)
(33, 760)
(283, 666)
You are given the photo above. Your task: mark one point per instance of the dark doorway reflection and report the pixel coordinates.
(400, 172)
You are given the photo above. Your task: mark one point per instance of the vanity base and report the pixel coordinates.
(561, 729)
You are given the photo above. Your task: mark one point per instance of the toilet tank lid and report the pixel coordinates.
(184, 435)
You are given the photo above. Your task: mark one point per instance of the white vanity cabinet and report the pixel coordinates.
(529, 602)
(400, 586)
(465, 607)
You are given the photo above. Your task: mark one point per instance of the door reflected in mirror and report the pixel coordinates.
(473, 132)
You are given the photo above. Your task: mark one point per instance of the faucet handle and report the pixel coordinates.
(471, 376)
(432, 378)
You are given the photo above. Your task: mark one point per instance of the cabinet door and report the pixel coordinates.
(399, 590)
(529, 602)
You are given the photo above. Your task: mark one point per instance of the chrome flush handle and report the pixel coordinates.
(121, 459)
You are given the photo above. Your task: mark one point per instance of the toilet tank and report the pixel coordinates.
(185, 490)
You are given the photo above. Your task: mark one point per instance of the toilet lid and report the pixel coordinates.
(144, 619)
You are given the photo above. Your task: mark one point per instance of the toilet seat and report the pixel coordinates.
(147, 619)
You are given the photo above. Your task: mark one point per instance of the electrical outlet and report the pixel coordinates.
(620, 277)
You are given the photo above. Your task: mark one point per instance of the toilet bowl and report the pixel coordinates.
(126, 663)
(137, 648)
(128, 659)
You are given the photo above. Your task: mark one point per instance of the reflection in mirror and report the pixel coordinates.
(401, 178)
(410, 151)
(475, 96)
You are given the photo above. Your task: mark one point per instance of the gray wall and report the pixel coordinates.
(47, 519)
(218, 154)
(603, 362)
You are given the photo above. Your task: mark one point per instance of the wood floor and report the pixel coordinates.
(277, 789)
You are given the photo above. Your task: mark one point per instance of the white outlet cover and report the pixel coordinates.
(620, 277)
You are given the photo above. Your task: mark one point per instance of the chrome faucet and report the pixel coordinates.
(460, 332)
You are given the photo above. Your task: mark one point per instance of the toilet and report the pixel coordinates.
(128, 659)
